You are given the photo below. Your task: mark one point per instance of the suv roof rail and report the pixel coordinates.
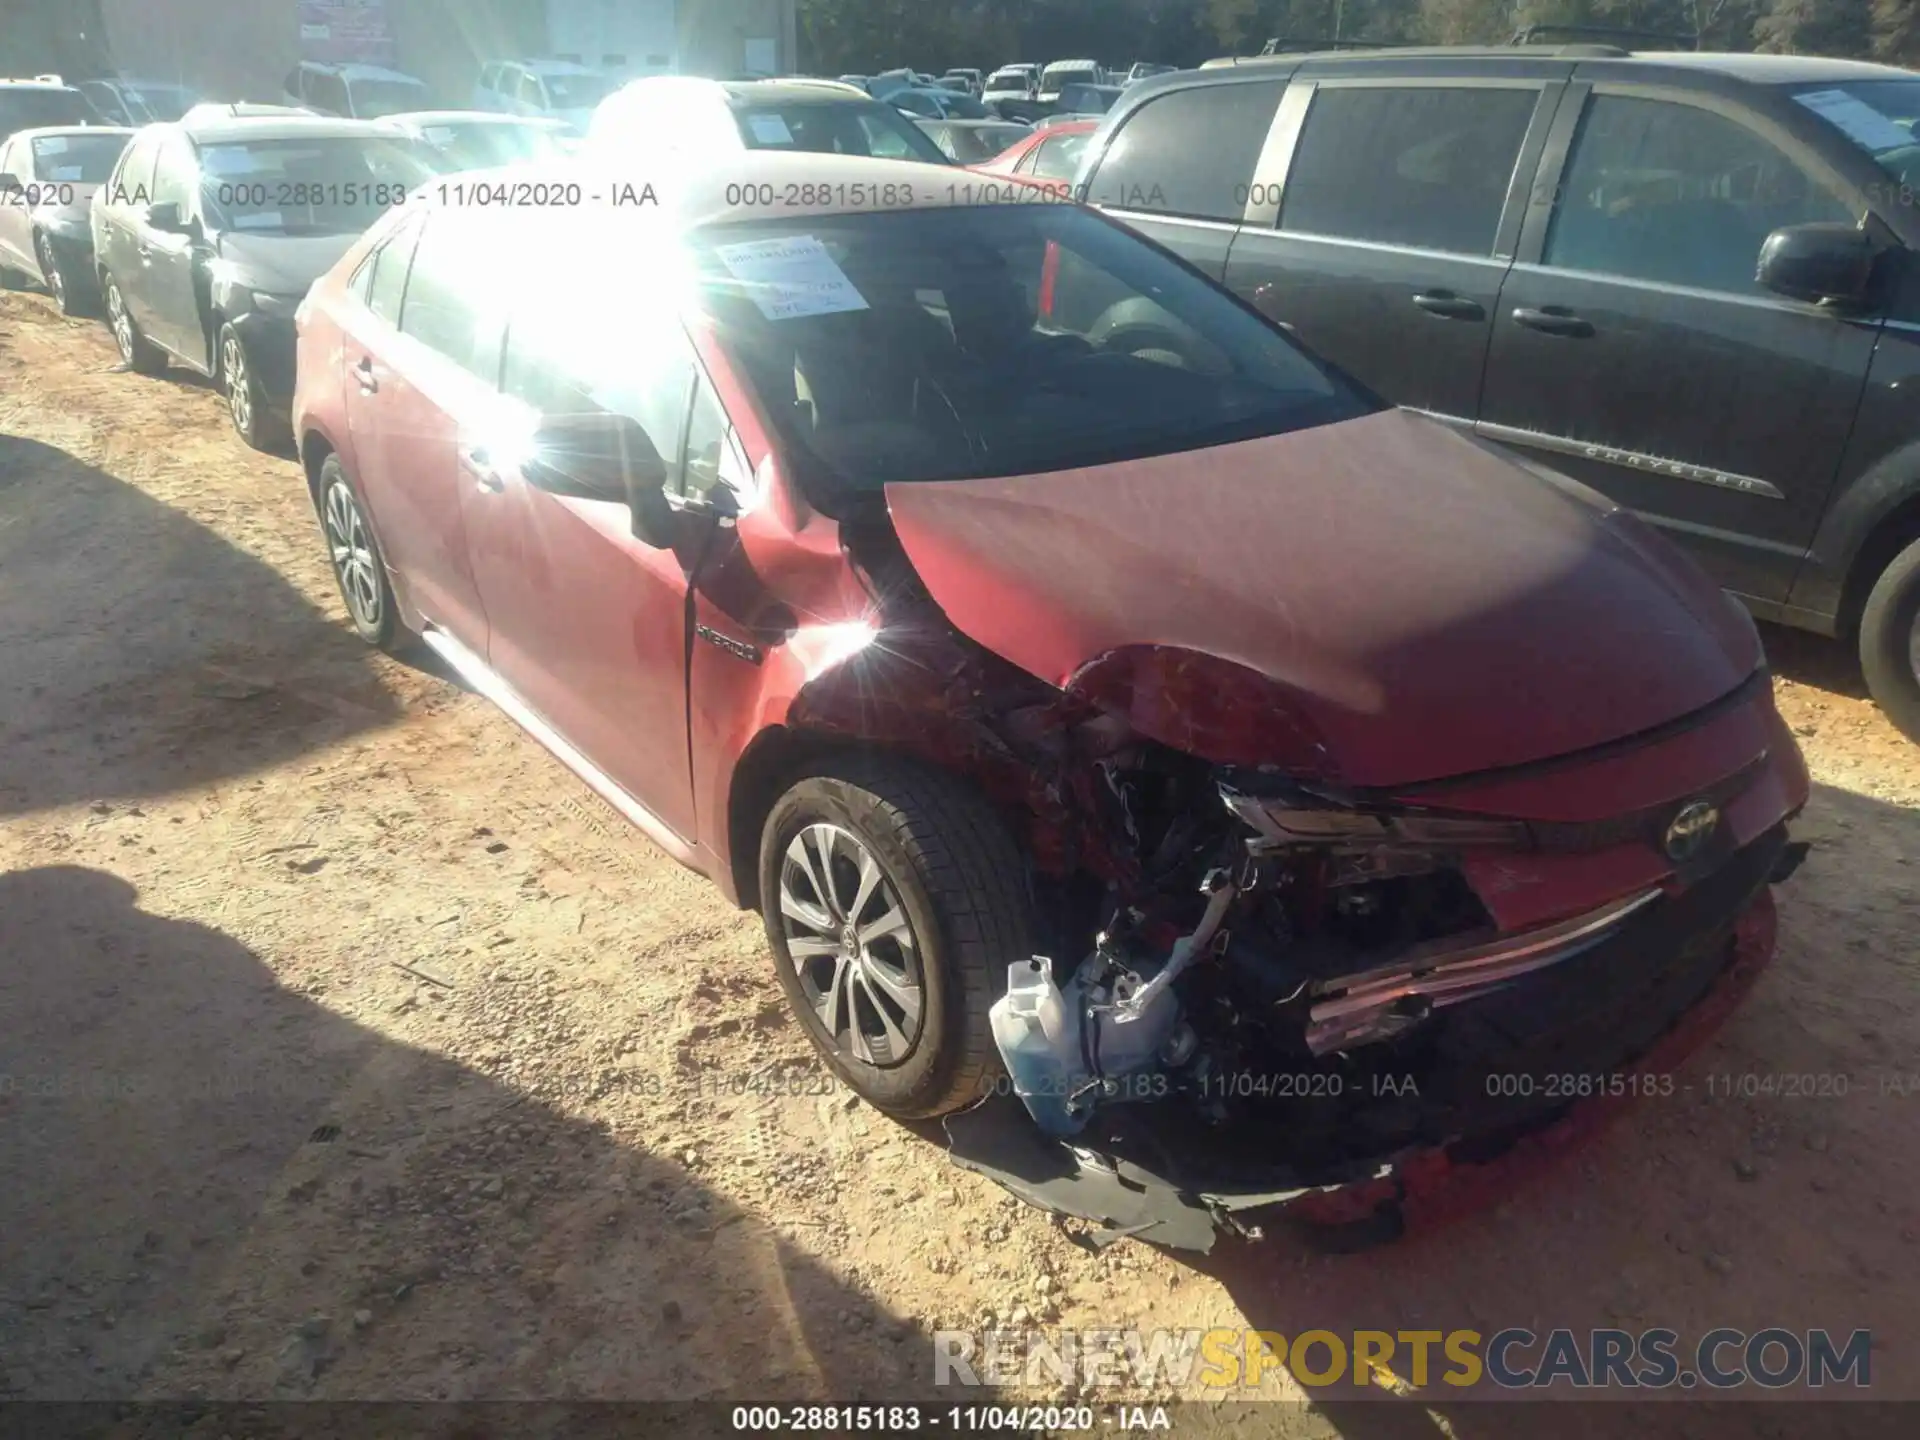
(1286, 45)
(1533, 34)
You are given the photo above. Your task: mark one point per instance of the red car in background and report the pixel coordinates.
(1048, 156)
(960, 583)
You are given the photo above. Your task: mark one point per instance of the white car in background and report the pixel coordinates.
(354, 92)
(1062, 73)
(560, 89)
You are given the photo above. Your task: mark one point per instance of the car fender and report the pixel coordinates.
(1864, 527)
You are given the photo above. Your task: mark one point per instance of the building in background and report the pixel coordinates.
(243, 49)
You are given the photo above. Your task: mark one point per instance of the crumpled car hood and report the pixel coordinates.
(1422, 605)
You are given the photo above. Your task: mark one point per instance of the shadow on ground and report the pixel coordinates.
(218, 1188)
(145, 654)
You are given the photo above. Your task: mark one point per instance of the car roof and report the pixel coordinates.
(737, 93)
(1735, 65)
(472, 117)
(39, 132)
(354, 70)
(1772, 69)
(36, 84)
(236, 129)
(556, 67)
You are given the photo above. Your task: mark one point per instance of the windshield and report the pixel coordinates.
(77, 159)
(331, 186)
(837, 129)
(1880, 117)
(1009, 80)
(947, 344)
(25, 109)
(964, 107)
(481, 145)
(1057, 75)
(156, 102)
(374, 98)
(575, 92)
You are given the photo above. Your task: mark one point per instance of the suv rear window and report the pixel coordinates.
(1424, 166)
(1190, 152)
(25, 107)
(945, 344)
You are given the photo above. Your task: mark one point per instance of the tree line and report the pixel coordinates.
(862, 36)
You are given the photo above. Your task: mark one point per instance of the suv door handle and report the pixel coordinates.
(1450, 306)
(363, 372)
(486, 479)
(1553, 320)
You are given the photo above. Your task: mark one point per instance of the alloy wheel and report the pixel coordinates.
(852, 946)
(122, 322)
(233, 366)
(353, 559)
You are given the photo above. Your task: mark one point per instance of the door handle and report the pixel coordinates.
(486, 479)
(1449, 306)
(1553, 320)
(363, 372)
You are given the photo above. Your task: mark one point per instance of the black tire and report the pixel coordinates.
(255, 420)
(362, 578)
(1890, 641)
(958, 876)
(68, 286)
(137, 353)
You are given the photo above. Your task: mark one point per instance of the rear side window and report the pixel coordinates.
(1188, 153)
(447, 290)
(387, 282)
(134, 184)
(1058, 157)
(1425, 167)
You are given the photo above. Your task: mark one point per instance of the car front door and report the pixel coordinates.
(1634, 350)
(166, 293)
(415, 364)
(1179, 169)
(589, 624)
(1379, 231)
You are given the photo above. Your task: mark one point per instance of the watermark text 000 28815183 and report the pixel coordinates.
(1227, 1362)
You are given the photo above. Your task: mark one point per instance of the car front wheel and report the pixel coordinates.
(1890, 641)
(253, 415)
(894, 900)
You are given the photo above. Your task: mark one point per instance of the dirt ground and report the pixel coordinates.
(357, 1051)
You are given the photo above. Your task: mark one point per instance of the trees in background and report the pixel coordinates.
(838, 36)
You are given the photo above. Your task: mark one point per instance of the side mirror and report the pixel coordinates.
(1820, 264)
(603, 456)
(165, 215)
(10, 184)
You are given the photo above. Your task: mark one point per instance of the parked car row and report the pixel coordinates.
(813, 556)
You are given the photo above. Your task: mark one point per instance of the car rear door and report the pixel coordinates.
(1180, 167)
(1384, 216)
(118, 208)
(410, 378)
(1633, 348)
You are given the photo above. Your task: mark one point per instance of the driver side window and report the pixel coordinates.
(1675, 194)
(174, 179)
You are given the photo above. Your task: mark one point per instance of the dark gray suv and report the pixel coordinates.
(1688, 280)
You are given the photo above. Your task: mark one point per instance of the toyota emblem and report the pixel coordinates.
(1689, 831)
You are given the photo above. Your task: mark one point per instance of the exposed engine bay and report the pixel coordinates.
(1250, 984)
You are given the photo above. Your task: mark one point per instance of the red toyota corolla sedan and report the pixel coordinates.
(958, 580)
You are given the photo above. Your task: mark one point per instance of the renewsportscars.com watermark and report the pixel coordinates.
(1513, 1359)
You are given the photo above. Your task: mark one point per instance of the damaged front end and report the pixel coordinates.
(1297, 991)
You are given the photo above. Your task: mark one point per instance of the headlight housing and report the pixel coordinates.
(1281, 822)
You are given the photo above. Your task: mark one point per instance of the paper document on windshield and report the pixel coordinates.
(770, 129)
(791, 277)
(1861, 123)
